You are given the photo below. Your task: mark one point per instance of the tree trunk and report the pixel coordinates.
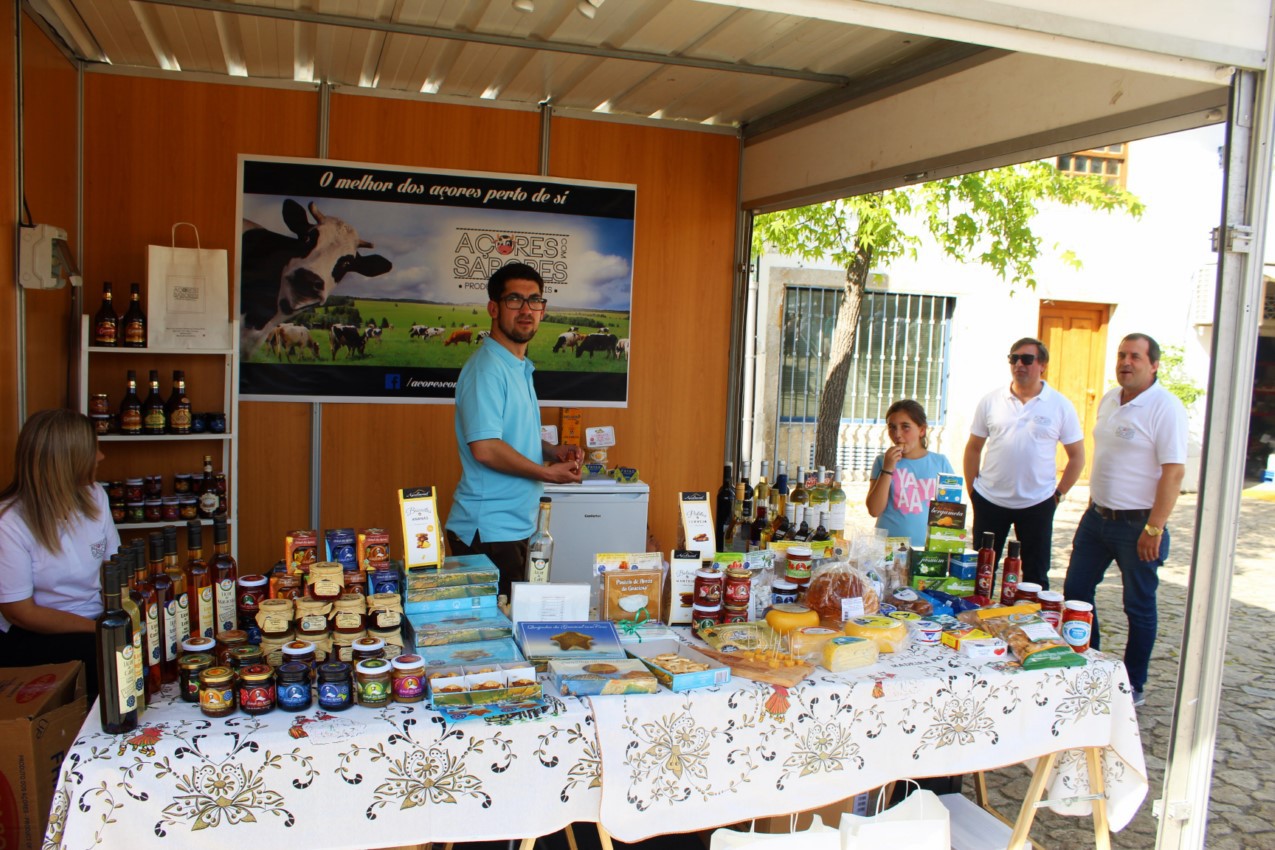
(833, 398)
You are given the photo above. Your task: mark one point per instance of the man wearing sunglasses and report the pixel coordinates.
(504, 463)
(1016, 483)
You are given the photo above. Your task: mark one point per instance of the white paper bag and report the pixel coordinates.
(921, 822)
(187, 297)
(817, 837)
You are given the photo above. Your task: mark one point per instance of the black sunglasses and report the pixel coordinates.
(1028, 359)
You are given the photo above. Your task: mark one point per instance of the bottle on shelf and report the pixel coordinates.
(837, 508)
(725, 508)
(181, 597)
(803, 532)
(820, 533)
(540, 547)
(124, 561)
(199, 585)
(761, 492)
(759, 533)
(154, 417)
(799, 495)
(134, 321)
(117, 702)
(746, 506)
(209, 499)
(738, 527)
(130, 415)
(779, 493)
(782, 528)
(166, 606)
(143, 594)
(819, 494)
(178, 406)
(225, 572)
(106, 324)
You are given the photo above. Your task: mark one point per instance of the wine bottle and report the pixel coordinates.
(154, 417)
(746, 505)
(837, 508)
(209, 499)
(130, 417)
(143, 593)
(225, 572)
(725, 507)
(820, 533)
(106, 324)
(134, 322)
(540, 547)
(166, 605)
(181, 597)
(117, 701)
(819, 494)
(199, 585)
(759, 532)
(761, 492)
(178, 406)
(799, 495)
(124, 559)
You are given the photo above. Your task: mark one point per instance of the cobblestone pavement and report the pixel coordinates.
(1242, 808)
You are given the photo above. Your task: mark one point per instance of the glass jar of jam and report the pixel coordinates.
(1077, 624)
(99, 404)
(217, 691)
(181, 483)
(134, 490)
(734, 614)
(1051, 607)
(188, 669)
(393, 640)
(408, 678)
(373, 679)
(199, 644)
(705, 616)
(349, 614)
(153, 510)
(119, 512)
(153, 486)
(275, 616)
(326, 581)
(738, 587)
(343, 645)
(115, 491)
(227, 641)
(312, 619)
(708, 588)
(292, 686)
(336, 689)
(102, 423)
(366, 648)
(188, 507)
(272, 647)
(299, 650)
(384, 611)
(252, 589)
(256, 689)
(135, 512)
(799, 562)
(245, 656)
(782, 592)
(170, 510)
(1028, 591)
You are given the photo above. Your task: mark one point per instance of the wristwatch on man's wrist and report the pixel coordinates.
(1059, 495)
(1152, 530)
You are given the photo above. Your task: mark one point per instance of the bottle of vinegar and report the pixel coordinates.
(225, 573)
(117, 702)
(166, 604)
(199, 585)
(181, 597)
(143, 594)
(124, 559)
(540, 547)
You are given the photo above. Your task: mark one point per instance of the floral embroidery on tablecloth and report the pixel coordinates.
(959, 713)
(586, 771)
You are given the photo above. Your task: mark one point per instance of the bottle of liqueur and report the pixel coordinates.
(782, 528)
(106, 324)
(154, 417)
(117, 702)
(725, 508)
(199, 584)
(225, 572)
(178, 406)
(134, 321)
(540, 547)
(143, 593)
(209, 499)
(130, 418)
(166, 604)
(181, 597)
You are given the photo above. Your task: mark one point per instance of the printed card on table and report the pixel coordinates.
(420, 527)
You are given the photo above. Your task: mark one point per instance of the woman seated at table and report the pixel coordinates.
(55, 531)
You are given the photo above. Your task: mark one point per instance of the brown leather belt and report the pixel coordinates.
(1108, 513)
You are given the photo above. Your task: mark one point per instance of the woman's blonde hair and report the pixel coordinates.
(53, 474)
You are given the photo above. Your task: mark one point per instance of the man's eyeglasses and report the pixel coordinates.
(1027, 359)
(514, 301)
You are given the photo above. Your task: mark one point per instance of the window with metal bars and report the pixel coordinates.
(900, 351)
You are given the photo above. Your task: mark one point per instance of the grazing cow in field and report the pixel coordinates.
(604, 343)
(482, 335)
(603, 330)
(425, 333)
(287, 338)
(459, 336)
(622, 349)
(567, 339)
(371, 333)
(415, 331)
(348, 336)
(282, 274)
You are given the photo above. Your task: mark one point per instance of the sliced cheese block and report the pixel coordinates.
(809, 640)
(845, 653)
(786, 616)
(889, 634)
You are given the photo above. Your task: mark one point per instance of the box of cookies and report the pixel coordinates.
(470, 654)
(592, 640)
(597, 678)
(678, 666)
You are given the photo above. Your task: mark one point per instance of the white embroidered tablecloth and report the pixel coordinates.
(641, 765)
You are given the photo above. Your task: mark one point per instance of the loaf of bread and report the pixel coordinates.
(836, 592)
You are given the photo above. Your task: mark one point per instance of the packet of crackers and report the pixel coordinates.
(372, 549)
(1034, 643)
(301, 549)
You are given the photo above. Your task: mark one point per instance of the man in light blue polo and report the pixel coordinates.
(504, 463)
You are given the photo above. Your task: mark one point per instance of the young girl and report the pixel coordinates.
(905, 476)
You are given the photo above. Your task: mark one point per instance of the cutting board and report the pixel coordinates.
(758, 671)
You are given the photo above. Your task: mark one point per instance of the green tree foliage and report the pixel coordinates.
(1173, 379)
(985, 217)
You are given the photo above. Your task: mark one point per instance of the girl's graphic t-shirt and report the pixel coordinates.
(912, 488)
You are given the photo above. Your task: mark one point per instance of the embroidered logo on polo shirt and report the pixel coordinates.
(1125, 432)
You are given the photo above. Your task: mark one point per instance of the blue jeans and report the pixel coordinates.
(1097, 543)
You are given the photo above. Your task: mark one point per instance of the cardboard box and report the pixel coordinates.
(949, 540)
(929, 563)
(41, 711)
(715, 674)
(947, 514)
(949, 494)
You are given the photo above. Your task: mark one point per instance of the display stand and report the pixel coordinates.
(1036, 789)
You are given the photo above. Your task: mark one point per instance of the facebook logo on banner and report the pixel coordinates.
(392, 381)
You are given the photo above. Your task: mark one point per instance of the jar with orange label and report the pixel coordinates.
(408, 681)
(737, 589)
(1077, 624)
(217, 691)
(799, 562)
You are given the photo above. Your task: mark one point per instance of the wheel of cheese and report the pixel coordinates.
(888, 634)
(785, 617)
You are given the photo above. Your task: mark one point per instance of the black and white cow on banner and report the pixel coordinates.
(282, 274)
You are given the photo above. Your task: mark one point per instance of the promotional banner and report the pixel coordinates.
(368, 283)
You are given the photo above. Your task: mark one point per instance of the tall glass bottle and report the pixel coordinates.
(837, 508)
(540, 547)
(761, 493)
(759, 533)
(209, 499)
(130, 417)
(725, 508)
(117, 702)
(143, 593)
(178, 406)
(225, 572)
(154, 417)
(799, 495)
(134, 321)
(180, 595)
(746, 507)
(106, 324)
(166, 604)
(819, 494)
(199, 584)
(124, 561)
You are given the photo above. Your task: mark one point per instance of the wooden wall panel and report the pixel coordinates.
(162, 151)
(8, 221)
(50, 183)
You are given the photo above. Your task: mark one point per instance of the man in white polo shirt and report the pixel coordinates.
(1140, 442)
(1016, 483)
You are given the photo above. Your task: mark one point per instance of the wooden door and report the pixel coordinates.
(1076, 336)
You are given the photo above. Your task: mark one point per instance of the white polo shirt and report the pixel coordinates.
(1131, 441)
(1019, 467)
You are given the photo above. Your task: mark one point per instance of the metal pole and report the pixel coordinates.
(546, 132)
(739, 309)
(316, 407)
(1183, 807)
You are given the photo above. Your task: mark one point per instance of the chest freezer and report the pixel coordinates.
(592, 517)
